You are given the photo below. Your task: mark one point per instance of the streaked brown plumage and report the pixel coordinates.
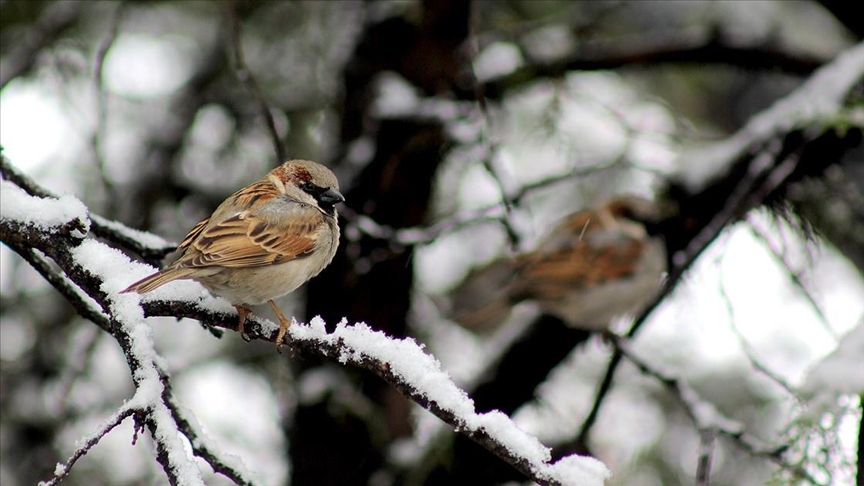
(262, 242)
(595, 264)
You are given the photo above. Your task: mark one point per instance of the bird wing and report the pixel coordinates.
(600, 254)
(278, 232)
(193, 234)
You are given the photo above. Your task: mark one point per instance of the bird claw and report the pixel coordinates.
(243, 312)
(280, 336)
(284, 323)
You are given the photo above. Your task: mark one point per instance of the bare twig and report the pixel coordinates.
(745, 346)
(469, 51)
(63, 470)
(759, 182)
(794, 276)
(79, 358)
(706, 451)
(696, 45)
(245, 76)
(55, 19)
(695, 407)
(427, 234)
(98, 137)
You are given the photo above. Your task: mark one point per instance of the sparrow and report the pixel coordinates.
(596, 264)
(263, 242)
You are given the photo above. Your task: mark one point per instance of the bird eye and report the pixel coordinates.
(308, 187)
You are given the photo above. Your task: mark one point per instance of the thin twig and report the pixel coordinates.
(78, 360)
(691, 402)
(56, 18)
(97, 139)
(749, 352)
(753, 188)
(63, 470)
(245, 76)
(703, 463)
(794, 276)
(425, 235)
(489, 147)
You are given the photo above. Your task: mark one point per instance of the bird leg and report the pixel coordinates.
(283, 325)
(243, 311)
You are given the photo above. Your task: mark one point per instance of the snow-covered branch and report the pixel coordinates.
(57, 229)
(753, 166)
(87, 443)
(148, 246)
(706, 417)
(94, 271)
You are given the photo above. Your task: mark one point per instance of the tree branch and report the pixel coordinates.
(702, 46)
(55, 19)
(245, 76)
(761, 159)
(706, 418)
(354, 345)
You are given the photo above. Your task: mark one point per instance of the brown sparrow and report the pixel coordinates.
(262, 242)
(595, 265)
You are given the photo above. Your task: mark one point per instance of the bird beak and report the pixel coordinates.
(331, 196)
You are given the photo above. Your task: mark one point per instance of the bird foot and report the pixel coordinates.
(243, 311)
(284, 324)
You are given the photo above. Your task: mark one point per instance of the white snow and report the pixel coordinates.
(578, 471)
(496, 60)
(44, 213)
(407, 360)
(818, 97)
(501, 428)
(149, 240)
(106, 263)
(841, 372)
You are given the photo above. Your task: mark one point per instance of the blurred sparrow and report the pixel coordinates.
(263, 242)
(597, 264)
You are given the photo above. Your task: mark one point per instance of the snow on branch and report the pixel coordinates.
(774, 147)
(86, 443)
(837, 374)
(56, 228)
(707, 419)
(150, 247)
(97, 271)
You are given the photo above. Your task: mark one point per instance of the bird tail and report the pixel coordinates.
(158, 279)
(483, 301)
